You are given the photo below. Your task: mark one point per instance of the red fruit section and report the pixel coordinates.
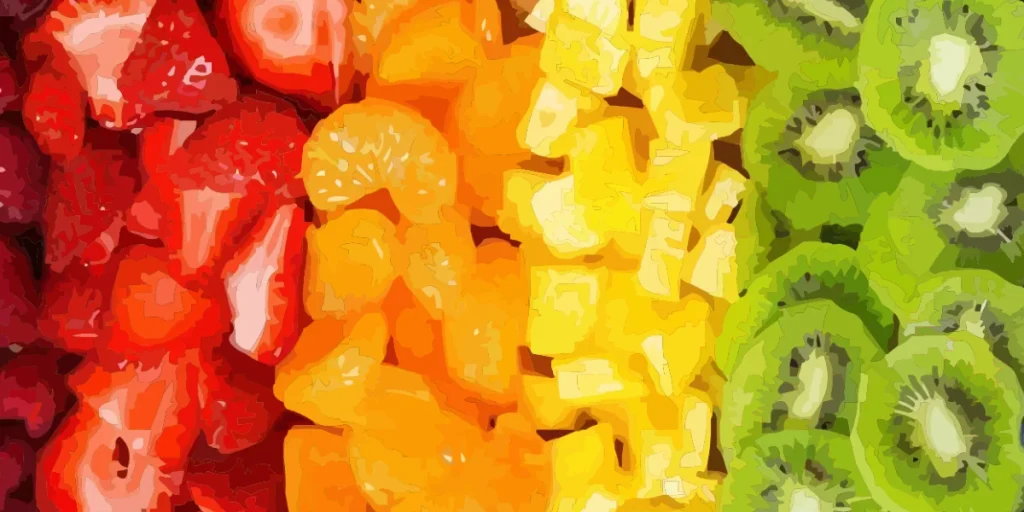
(53, 111)
(18, 297)
(247, 481)
(22, 170)
(237, 401)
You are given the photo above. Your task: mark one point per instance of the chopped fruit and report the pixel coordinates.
(712, 264)
(16, 465)
(588, 380)
(376, 144)
(23, 10)
(371, 20)
(22, 174)
(661, 265)
(584, 473)
(55, 113)
(32, 391)
(543, 409)
(583, 55)
(416, 335)
(693, 106)
(263, 286)
(75, 306)
(482, 182)
(352, 262)
(294, 47)
(675, 174)
(722, 196)
(541, 206)
(86, 205)
(18, 296)
(10, 84)
(152, 309)
(162, 139)
(547, 127)
(248, 481)
(238, 405)
(663, 34)
(440, 259)
(483, 20)
(124, 445)
(176, 64)
(428, 48)
(563, 307)
(317, 471)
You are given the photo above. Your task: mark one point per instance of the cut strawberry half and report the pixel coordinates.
(32, 391)
(248, 481)
(237, 400)
(22, 169)
(124, 445)
(17, 462)
(18, 296)
(150, 307)
(54, 112)
(22, 10)
(176, 65)
(86, 206)
(263, 285)
(75, 305)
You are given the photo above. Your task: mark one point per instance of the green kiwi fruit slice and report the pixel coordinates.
(817, 159)
(977, 301)
(801, 373)
(937, 427)
(794, 471)
(935, 222)
(814, 37)
(941, 79)
(812, 270)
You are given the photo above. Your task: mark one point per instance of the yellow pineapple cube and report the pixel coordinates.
(563, 307)
(661, 265)
(545, 409)
(610, 16)
(690, 106)
(539, 14)
(712, 264)
(596, 380)
(547, 127)
(585, 476)
(676, 174)
(580, 54)
(544, 207)
(606, 179)
(722, 196)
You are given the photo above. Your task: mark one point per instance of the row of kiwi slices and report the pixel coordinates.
(833, 402)
(859, 81)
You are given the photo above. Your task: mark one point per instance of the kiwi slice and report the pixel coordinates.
(814, 37)
(813, 270)
(941, 79)
(796, 471)
(935, 222)
(937, 427)
(801, 373)
(817, 160)
(977, 301)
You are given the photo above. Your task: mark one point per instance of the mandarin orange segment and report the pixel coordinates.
(317, 472)
(352, 261)
(440, 259)
(377, 144)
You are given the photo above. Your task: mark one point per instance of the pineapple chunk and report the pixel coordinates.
(540, 400)
(547, 127)
(691, 106)
(606, 178)
(596, 380)
(539, 15)
(712, 265)
(607, 15)
(563, 307)
(722, 197)
(675, 174)
(661, 265)
(584, 473)
(664, 35)
(578, 53)
(541, 206)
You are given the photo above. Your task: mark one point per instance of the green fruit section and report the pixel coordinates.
(875, 357)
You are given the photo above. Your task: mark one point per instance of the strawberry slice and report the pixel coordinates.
(54, 112)
(237, 163)
(151, 308)
(86, 206)
(21, 176)
(18, 296)
(32, 391)
(124, 445)
(17, 462)
(10, 86)
(248, 481)
(22, 10)
(263, 285)
(75, 305)
(237, 400)
(176, 65)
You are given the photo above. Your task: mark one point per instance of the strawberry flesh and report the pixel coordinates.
(10, 88)
(237, 400)
(16, 464)
(22, 170)
(18, 296)
(75, 310)
(248, 481)
(31, 391)
(54, 112)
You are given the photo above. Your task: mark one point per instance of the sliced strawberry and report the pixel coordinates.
(32, 391)
(151, 308)
(16, 464)
(163, 138)
(124, 445)
(86, 206)
(54, 112)
(22, 169)
(248, 481)
(75, 311)
(177, 65)
(18, 296)
(237, 400)
(10, 85)
(22, 10)
(263, 285)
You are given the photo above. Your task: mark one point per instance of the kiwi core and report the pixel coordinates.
(803, 499)
(952, 60)
(815, 376)
(833, 136)
(942, 435)
(979, 212)
(829, 11)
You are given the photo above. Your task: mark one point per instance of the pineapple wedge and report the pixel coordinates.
(712, 265)
(563, 307)
(581, 54)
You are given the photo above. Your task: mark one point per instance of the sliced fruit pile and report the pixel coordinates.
(873, 361)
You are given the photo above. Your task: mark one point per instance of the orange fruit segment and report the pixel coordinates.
(317, 472)
(440, 259)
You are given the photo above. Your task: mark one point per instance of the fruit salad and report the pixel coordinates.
(511, 255)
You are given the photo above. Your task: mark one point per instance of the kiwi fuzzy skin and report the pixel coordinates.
(977, 145)
(784, 46)
(808, 202)
(966, 359)
(754, 390)
(902, 244)
(834, 274)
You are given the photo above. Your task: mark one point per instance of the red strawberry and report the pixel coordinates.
(124, 446)
(237, 400)
(263, 286)
(22, 10)
(32, 391)
(177, 65)
(54, 112)
(18, 297)
(75, 310)
(21, 176)
(248, 481)
(10, 87)
(86, 206)
(151, 308)
(16, 465)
